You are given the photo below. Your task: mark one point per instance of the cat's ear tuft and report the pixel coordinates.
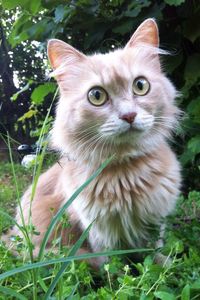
(60, 53)
(146, 33)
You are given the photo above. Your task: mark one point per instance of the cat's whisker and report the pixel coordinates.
(83, 137)
(80, 132)
(98, 142)
(111, 130)
(108, 128)
(163, 133)
(88, 145)
(112, 147)
(95, 143)
(169, 126)
(102, 148)
(162, 117)
(169, 122)
(79, 145)
(164, 127)
(84, 145)
(148, 117)
(107, 125)
(166, 121)
(86, 135)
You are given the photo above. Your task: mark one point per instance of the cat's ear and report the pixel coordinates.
(60, 53)
(146, 33)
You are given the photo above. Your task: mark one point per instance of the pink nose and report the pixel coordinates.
(129, 117)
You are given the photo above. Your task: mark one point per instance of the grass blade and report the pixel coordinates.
(38, 167)
(72, 292)
(56, 218)
(10, 218)
(15, 179)
(11, 292)
(70, 258)
(72, 252)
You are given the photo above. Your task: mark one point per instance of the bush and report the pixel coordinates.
(101, 25)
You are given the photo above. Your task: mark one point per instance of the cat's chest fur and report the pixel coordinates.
(127, 199)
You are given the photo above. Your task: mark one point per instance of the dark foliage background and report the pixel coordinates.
(25, 27)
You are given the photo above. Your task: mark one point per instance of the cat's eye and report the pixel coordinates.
(97, 96)
(141, 86)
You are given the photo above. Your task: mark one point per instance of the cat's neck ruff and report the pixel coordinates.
(123, 153)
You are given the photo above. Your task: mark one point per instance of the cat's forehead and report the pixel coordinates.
(110, 61)
(111, 67)
(128, 57)
(120, 66)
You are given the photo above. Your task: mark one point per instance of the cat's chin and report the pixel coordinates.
(134, 131)
(136, 143)
(130, 136)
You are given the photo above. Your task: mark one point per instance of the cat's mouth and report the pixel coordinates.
(134, 128)
(131, 130)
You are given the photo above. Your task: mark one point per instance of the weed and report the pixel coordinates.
(66, 276)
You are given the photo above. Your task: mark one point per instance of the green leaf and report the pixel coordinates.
(174, 2)
(13, 221)
(191, 28)
(194, 144)
(10, 4)
(11, 292)
(24, 28)
(29, 114)
(186, 157)
(164, 296)
(17, 34)
(31, 6)
(192, 70)
(146, 297)
(194, 110)
(134, 12)
(61, 12)
(185, 294)
(51, 4)
(173, 61)
(73, 292)
(95, 35)
(196, 285)
(42, 284)
(125, 27)
(34, 6)
(38, 31)
(73, 251)
(40, 92)
(194, 106)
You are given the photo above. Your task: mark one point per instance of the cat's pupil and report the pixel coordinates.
(97, 95)
(140, 85)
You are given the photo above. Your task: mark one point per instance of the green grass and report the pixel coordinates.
(8, 189)
(63, 276)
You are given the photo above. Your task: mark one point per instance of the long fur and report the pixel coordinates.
(140, 187)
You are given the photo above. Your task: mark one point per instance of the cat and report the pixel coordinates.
(122, 104)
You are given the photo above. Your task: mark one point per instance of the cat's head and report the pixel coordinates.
(119, 102)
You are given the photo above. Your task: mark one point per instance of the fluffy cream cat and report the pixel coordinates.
(117, 103)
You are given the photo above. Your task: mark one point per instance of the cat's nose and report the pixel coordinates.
(129, 117)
